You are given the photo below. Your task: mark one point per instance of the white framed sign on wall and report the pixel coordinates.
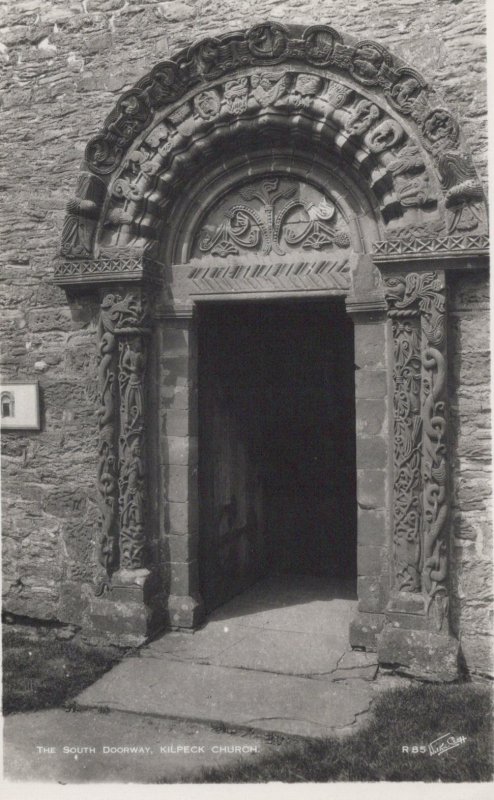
(19, 406)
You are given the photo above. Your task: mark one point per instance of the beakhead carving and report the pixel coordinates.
(285, 69)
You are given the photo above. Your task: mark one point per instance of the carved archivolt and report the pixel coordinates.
(417, 309)
(352, 98)
(122, 332)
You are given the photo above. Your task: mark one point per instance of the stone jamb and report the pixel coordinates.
(417, 634)
(178, 432)
(128, 600)
(372, 436)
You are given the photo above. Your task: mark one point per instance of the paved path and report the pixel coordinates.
(63, 747)
(275, 658)
(272, 664)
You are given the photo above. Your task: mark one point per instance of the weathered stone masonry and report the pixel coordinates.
(91, 373)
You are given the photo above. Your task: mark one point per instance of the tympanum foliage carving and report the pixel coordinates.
(417, 308)
(270, 216)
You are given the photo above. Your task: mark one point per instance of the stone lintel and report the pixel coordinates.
(419, 653)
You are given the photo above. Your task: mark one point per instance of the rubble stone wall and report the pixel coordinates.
(470, 425)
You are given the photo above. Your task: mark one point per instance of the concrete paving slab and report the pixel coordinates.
(268, 701)
(358, 673)
(357, 658)
(251, 648)
(205, 643)
(292, 603)
(64, 747)
(318, 616)
(275, 651)
(355, 665)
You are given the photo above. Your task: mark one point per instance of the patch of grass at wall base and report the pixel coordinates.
(39, 671)
(414, 716)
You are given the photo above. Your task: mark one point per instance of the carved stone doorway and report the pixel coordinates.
(292, 161)
(277, 486)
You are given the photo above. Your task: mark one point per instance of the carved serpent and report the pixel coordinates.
(434, 423)
(435, 560)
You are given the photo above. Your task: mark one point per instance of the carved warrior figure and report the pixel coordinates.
(274, 224)
(416, 305)
(79, 224)
(107, 423)
(121, 483)
(131, 383)
(132, 497)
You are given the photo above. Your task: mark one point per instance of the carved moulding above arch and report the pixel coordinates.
(353, 100)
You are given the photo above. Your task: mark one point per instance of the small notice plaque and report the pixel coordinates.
(19, 406)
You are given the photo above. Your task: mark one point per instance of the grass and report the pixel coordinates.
(411, 716)
(40, 671)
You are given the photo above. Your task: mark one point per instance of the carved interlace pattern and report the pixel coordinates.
(417, 308)
(123, 324)
(107, 480)
(407, 439)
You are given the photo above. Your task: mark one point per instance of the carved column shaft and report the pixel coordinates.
(123, 331)
(107, 481)
(407, 429)
(132, 488)
(416, 305)
(434, 451)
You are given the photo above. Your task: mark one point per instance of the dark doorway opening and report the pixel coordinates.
(277, 481)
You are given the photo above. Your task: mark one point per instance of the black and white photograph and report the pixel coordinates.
(245, 390)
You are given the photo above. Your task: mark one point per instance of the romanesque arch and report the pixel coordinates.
(240, 157)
